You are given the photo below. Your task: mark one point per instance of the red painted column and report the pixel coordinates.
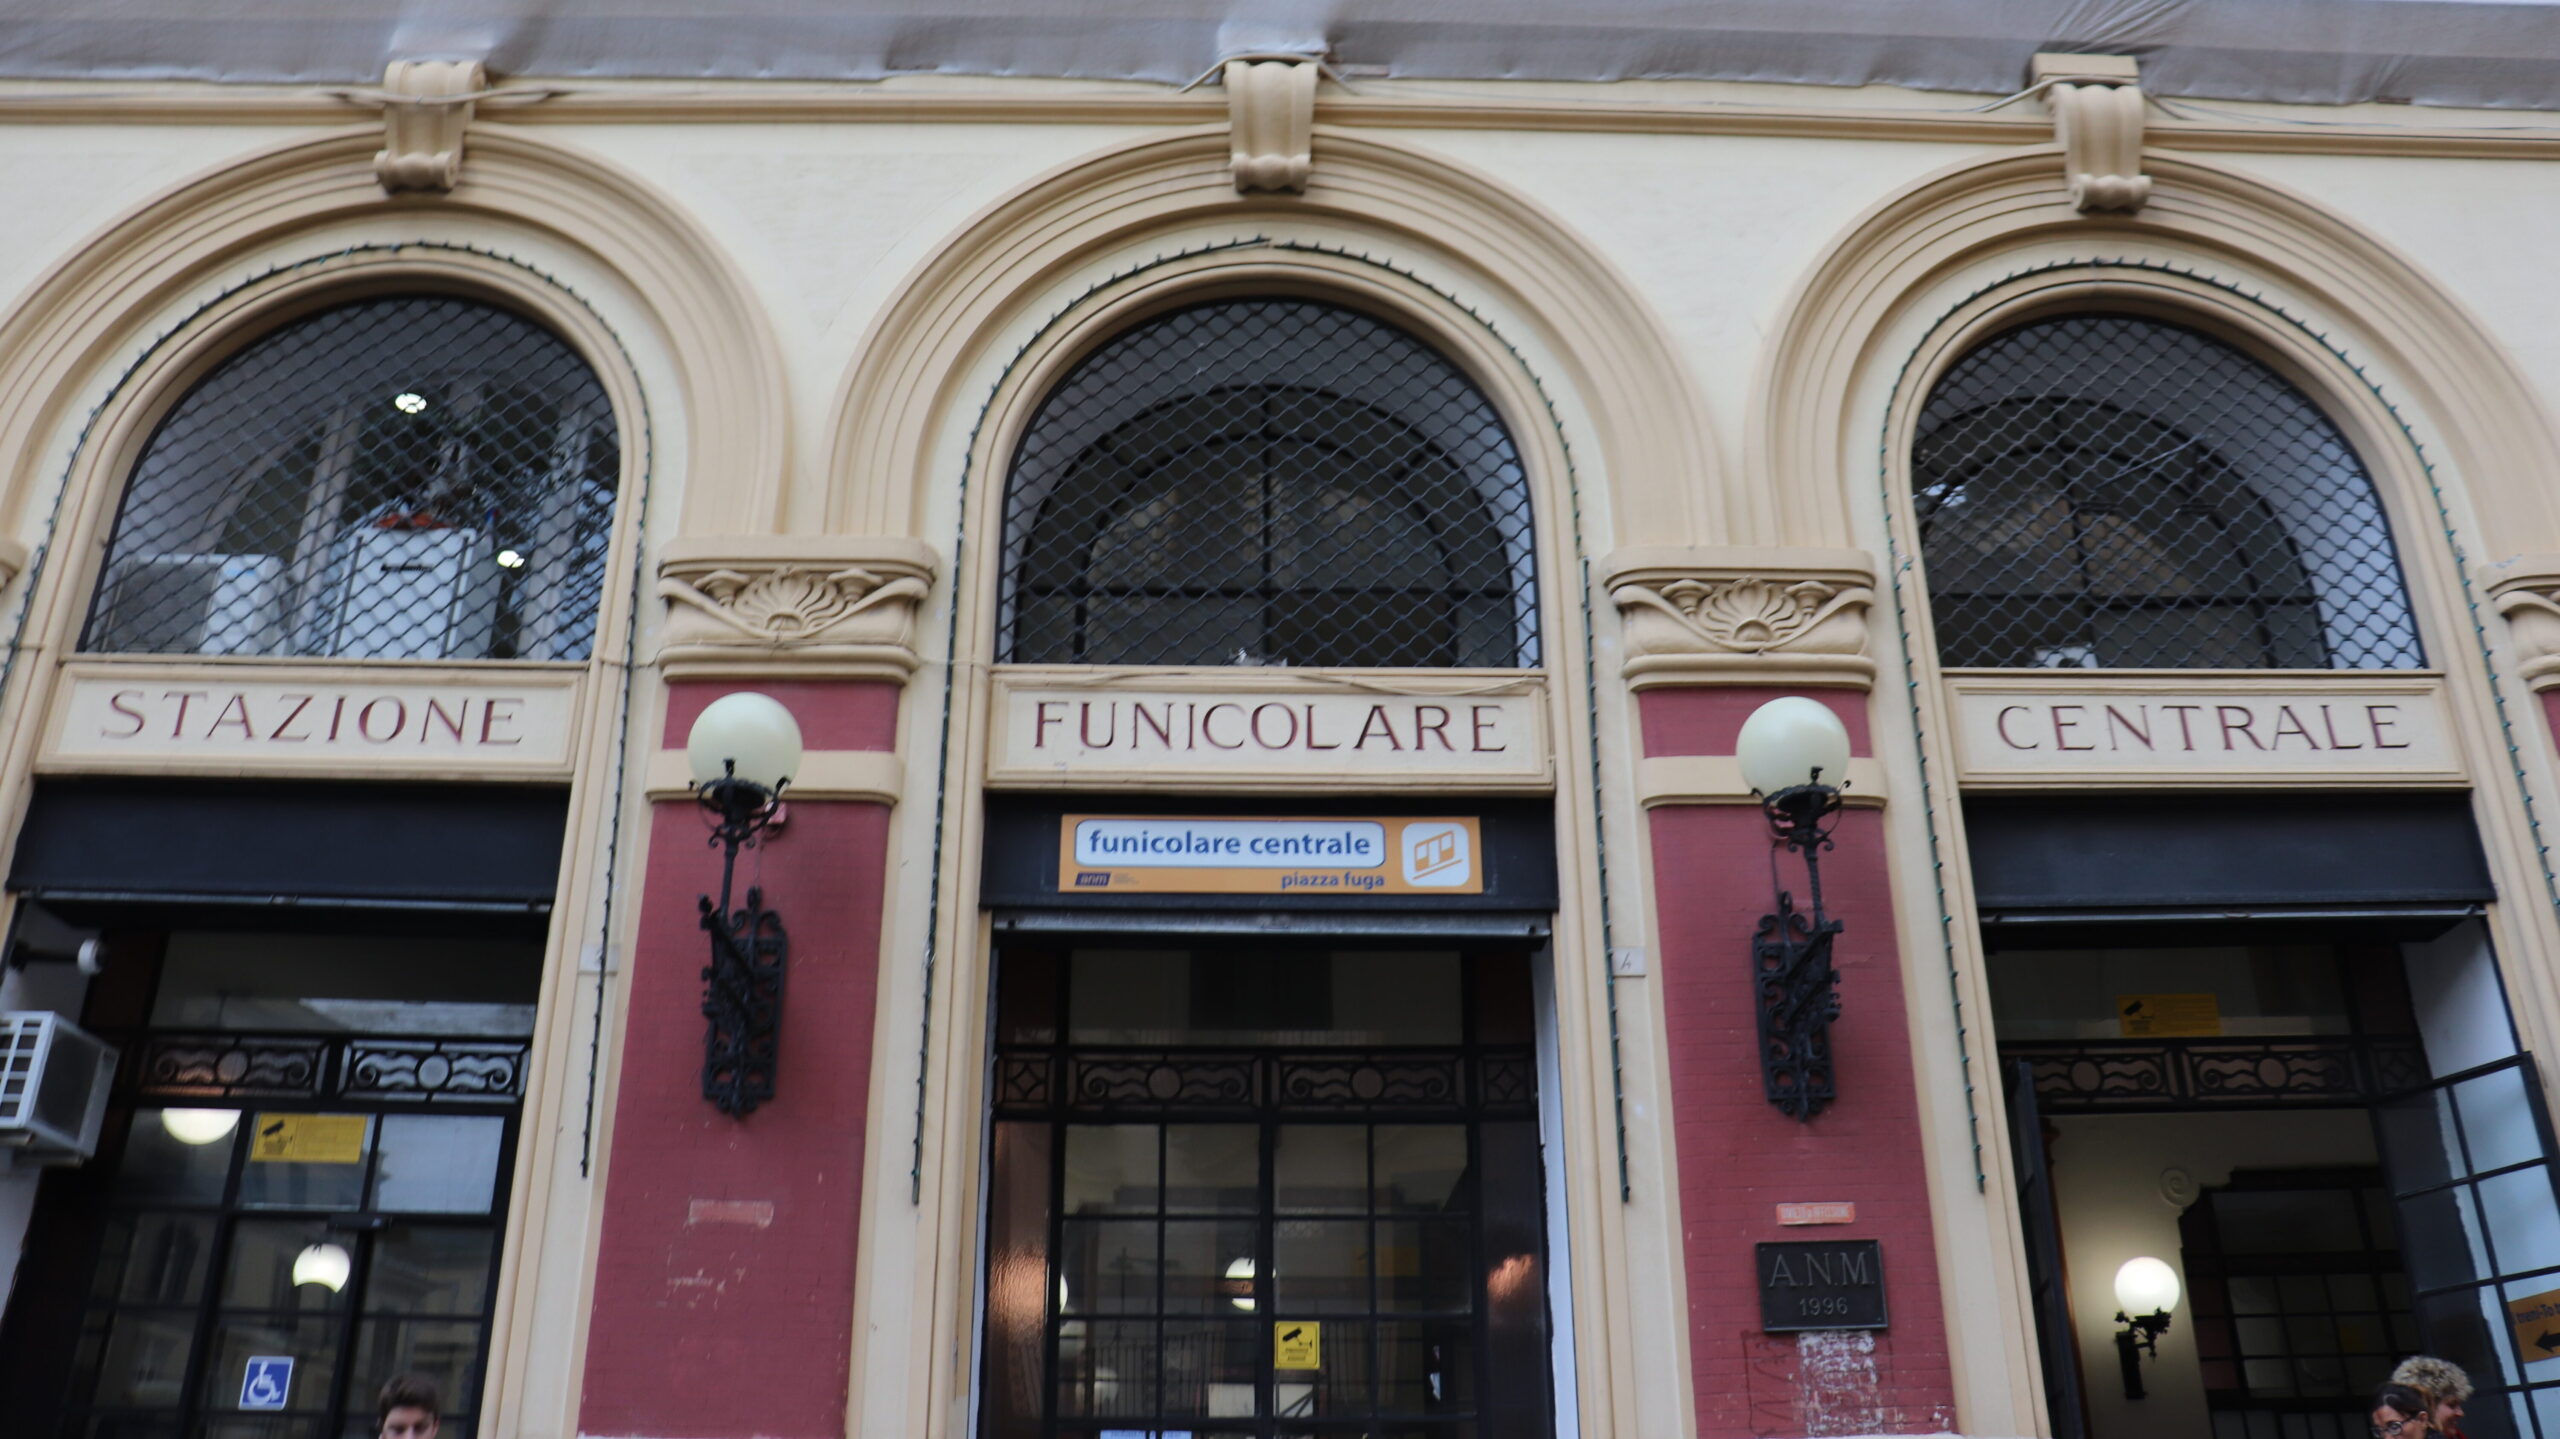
(1739, 1158)
(724, 1278)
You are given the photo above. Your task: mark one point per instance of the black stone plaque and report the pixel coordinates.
(1821, 1284)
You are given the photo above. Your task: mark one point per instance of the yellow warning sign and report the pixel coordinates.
(1296, 1344)
(2167, 1016)
(2536, 1318)
(308, 1139)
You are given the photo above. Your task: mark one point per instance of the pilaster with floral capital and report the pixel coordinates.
(1728, 615)
(803, 606)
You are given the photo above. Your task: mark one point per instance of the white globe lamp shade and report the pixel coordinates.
(753, 732)
(2146, 1286)
(326, 1265)
(199, 1126)
(1792, 741)
(1240, 1278)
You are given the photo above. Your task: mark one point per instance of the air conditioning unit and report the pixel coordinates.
(410, 595)
(54, 1078)
(196, 604)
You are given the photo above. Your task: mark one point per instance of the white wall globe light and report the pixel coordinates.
(2146, 1286)
(1792, 741)
(751, 731)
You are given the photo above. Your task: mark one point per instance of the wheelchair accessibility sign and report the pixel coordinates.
(266, 1381)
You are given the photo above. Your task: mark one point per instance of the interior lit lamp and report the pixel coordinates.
(326, 1265)
(1239, 1285)
(199, 1126)
(2146, 1290)
(409, 402)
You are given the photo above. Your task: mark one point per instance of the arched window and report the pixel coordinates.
(410, 478)
(2104, 491)
(1274, 482)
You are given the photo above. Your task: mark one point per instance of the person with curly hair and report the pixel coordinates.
(2444, 1384)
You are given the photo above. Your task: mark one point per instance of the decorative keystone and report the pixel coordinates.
(2528, 595)
(426, 105)
(831, 605)
(1743, 616)
(1271, 119)
(2097, 107)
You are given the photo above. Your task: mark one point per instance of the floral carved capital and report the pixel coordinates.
(1740, 616)
(2528, 596)
(841, 607)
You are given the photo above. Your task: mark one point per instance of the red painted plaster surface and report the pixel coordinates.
(1704, 719)
(724, 1279)
(832, 715)
(2551, 709)
(1738, 1158)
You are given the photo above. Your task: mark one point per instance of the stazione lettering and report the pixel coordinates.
(1138, 727)
(286, 719)
(2162, 727)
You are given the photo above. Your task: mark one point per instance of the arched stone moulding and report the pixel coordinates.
(1613, 352)
(1899, 297)
(235, 249)
(944, 383)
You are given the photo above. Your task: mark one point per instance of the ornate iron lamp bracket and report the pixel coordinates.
(1796, 989)
(742, 985)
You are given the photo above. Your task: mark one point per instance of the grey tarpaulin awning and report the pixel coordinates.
(2433, 52)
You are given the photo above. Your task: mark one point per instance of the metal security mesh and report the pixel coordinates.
(2107, 492)
(417, 478)
(1268, 482)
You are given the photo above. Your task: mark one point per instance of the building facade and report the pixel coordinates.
(1275, 936)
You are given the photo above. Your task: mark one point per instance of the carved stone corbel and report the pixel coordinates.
(1271, 118)
(2097, 108)
(426, 107)
(829, 606)
(1743, 616)
(2527, 593)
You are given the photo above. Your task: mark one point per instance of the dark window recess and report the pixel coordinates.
(2111, 492)
(412, 478)
(1268, 482)
(2301, 1305)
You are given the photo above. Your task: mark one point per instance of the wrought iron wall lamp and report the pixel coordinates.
(1794, 754)
(743, 750)
(2143, 1283)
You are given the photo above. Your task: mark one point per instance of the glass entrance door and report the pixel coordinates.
(1265, 1193)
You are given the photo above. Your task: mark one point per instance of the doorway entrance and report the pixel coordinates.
(1252, 1191)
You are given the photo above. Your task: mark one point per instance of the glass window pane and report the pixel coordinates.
(445, 1351)
(1425, 1368)
(439, 1163)
(1212, 1168)
(306, 1161)
(312, 1344)
(287, 1264)
(1111, 1169)
(1340, 1386)
(1107, 1368)
(2523, 1220)
(1109, 1267)
(157, 1258)
(177, 1156)
(1420, 1166)
(1320, 1266)
(2440, 1239)
(145, 1359)
(1321, 1169)
(1209, 1266)
(1209, 1368)
(2497, 1120)
(422, 1269)
(1425, 1264)
(1019, 1288)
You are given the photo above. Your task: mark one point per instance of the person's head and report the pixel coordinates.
(2444, 1384)
(409, 1409)
(2400, 1412)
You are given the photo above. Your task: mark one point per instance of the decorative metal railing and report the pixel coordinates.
(2118, 1076)
(374, 1068)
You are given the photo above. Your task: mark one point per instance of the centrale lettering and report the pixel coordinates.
(2158, 726)
(1191, 726)
(290, 719)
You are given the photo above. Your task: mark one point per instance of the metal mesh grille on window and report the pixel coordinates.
(2107, 492)
(1268, 482)
(413, 478)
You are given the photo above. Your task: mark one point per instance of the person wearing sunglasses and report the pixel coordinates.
(2400, 1412)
